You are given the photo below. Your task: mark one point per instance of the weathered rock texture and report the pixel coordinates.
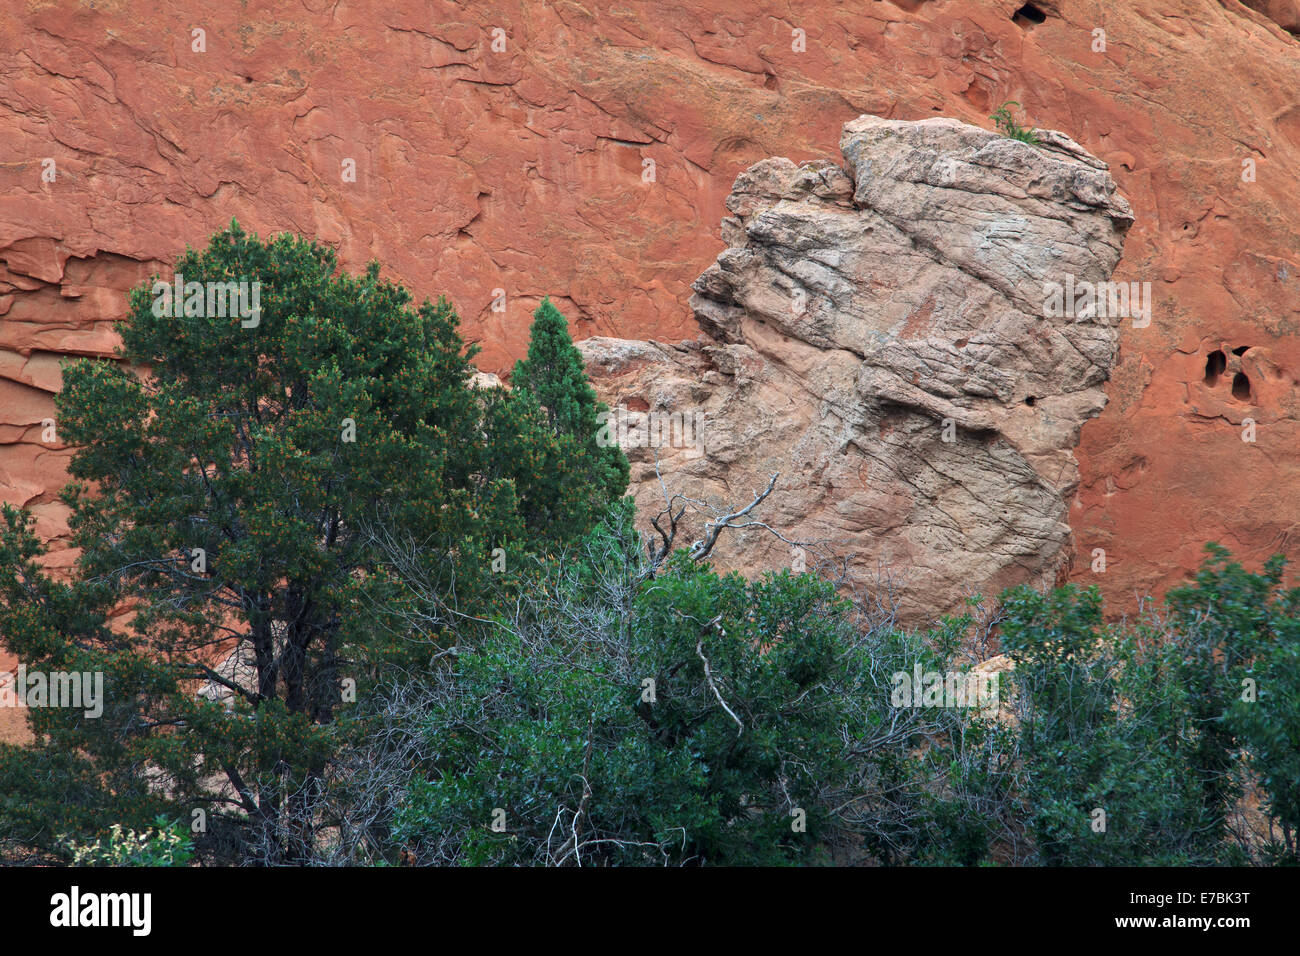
(523, 169)
(1286, 13)
(877, 336)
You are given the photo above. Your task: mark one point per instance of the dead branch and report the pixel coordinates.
(708, 671)
(701, 549)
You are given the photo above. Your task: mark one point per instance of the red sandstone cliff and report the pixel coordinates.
(588, 157)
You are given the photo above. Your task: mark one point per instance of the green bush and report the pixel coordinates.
(1163, 725)
(717, 721)
(164, 844)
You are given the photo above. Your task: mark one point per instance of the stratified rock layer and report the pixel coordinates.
(877, 336)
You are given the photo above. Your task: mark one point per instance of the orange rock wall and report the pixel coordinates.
(587, 158)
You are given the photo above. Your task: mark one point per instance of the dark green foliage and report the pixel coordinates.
(568, 488)
(1102, 732)
(675, 780)
(688, 719)
(1237, 654)
(1154, 723)
(250, 486)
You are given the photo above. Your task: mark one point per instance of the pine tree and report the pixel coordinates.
(556, 375)
(576, 482)
(235, 497)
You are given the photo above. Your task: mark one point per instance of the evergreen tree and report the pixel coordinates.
(568, 491)
(556, 375)
(241, 499)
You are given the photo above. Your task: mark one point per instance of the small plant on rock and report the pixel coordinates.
(1006, 123)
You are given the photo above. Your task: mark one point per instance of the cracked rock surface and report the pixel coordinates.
(523, 169)
(876, 334)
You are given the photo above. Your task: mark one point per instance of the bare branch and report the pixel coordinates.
(708, 674)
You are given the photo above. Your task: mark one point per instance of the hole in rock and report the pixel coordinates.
(1241, 387)
(1241, 350)
(1214, 366)
(1031, 401)
(1029, 14)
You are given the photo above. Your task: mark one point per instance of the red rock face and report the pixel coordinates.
(584, 152)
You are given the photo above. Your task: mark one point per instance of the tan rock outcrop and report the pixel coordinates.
(877, 335)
